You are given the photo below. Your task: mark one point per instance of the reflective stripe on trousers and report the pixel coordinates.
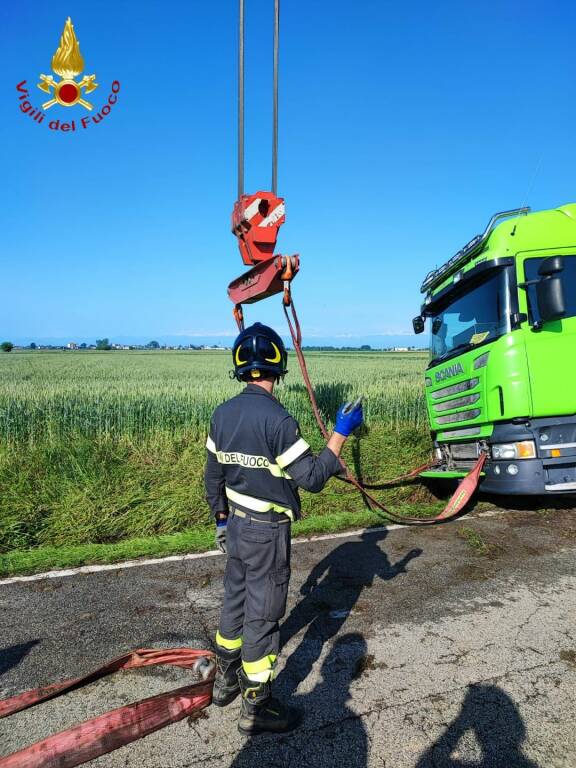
(256, 588)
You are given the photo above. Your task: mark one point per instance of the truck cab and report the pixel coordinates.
(502, 371)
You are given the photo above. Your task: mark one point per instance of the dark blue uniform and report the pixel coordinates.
(256, 461)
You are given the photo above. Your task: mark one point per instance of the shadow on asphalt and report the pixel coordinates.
(331, 592)
(529, 503)
(341, 740)
(490, 715)
(12, 656)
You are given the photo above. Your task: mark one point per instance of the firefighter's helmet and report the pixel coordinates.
(258, 351)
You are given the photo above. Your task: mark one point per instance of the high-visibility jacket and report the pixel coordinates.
(257, 459)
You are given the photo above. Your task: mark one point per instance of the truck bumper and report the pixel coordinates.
(553, 472)
(529, 481)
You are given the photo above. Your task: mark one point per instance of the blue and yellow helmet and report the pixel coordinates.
(259, 350)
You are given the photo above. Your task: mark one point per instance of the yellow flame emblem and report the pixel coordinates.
(68, 62)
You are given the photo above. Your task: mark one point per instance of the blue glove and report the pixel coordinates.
(348, 418)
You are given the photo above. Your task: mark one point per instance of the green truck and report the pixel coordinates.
(502, 373)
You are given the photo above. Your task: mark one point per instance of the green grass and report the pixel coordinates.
(101, 454)
(197, 539)
(474, 541)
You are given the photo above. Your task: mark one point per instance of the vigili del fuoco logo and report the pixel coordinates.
(67, 63)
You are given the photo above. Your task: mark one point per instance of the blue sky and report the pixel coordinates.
(403, 127)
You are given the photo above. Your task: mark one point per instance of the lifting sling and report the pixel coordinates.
(111, 730)
(256, 220)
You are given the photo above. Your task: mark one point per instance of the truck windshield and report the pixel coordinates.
(473, 317)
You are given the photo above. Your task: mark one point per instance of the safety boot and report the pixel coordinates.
(260, 712)
(226, 685)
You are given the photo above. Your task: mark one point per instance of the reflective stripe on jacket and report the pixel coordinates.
(257, 459)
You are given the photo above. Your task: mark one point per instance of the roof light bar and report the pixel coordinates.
(436, 276)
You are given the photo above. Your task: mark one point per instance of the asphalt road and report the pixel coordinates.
(404, 649)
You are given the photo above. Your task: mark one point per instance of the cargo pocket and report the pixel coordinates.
(277, 594)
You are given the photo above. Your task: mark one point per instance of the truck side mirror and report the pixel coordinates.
(418, 324)
(551, 266)
(550, 297)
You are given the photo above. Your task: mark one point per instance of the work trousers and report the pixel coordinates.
(256, 581)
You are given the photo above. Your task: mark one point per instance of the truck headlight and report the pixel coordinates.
(525, 449)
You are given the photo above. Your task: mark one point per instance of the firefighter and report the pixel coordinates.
(256, 461)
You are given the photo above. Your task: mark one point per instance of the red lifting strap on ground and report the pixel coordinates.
(461, 496)
(458, 501)
(111, 730)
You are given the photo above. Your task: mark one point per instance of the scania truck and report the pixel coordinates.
(502, 372)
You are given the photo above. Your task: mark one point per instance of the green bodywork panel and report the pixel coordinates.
(551, 354)
(529, 373)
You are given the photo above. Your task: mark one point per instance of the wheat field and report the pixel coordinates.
(56, 395)
(103, 447)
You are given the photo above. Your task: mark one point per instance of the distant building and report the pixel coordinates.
(71, 345)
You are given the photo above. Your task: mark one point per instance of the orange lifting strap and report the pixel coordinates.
(111, 730)
(256, 220)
